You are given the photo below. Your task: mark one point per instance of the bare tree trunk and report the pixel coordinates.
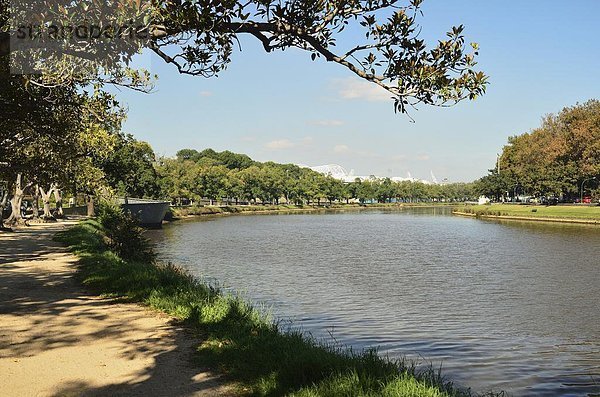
(46, 200)
(90, 206)
(58, 213)
(3, 203)
(36, 202)
(16, 201)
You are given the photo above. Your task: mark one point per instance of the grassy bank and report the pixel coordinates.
(198, 210)
(241, 341)
(563, 213)
(182, 212)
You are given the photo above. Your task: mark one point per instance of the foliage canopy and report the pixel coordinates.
(553, 159)
(198, 37)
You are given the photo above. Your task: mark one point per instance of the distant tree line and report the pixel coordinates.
(556, 159)
(235, 178)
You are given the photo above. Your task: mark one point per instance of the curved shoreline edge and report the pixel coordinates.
(184, 213)
(528, 218)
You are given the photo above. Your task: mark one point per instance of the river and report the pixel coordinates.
(511, 306)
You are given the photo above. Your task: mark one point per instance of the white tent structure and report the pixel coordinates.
(338, 172)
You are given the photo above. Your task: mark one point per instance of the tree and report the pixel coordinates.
(129, 168)
(334, 189)
(198, 37)
(250, 183)
(174, 178)
(384, 191)
(212, 181)
(553, 159)
(53, 139)
(366, 191)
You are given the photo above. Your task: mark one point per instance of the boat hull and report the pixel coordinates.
(150, 213)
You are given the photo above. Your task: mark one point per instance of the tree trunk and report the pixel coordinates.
(58, 213)
(15, 217)
(46, 200)
(36, 202)
(90, 206)
(3, 203)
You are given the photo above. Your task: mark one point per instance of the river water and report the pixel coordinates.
(508, 306)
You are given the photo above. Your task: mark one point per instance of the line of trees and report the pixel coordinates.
(52, 140)
(231, 177)
(64, 140)
(555, 159)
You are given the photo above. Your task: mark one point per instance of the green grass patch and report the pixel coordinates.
(198, 210)
(535, 211)
(242, 341)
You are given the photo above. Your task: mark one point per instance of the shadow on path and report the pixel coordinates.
(58, 340)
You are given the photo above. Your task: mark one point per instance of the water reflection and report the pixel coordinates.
(512, 306)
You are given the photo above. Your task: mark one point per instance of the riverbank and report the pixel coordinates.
(242, 341)
(588, 215)
(194, 211)
(57, 339)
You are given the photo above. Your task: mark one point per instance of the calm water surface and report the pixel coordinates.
(502, 306)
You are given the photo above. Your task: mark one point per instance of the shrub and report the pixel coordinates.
(124, 236)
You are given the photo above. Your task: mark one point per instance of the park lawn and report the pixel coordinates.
(589, 213)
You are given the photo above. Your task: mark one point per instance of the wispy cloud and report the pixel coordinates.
(326, 123)
(280, 144)
(341, 149)
(205, 93)
(283, 144)
(351, 88)
(423, 157)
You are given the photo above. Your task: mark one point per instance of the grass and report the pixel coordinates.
(243, 342)
(535, 211)
(197, 210)
(235, 209)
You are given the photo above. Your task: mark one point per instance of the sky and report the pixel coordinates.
(541, 55)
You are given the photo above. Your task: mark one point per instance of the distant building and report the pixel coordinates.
(338, 172)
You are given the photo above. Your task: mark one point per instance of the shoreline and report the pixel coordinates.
(207, 211)
(528, 218)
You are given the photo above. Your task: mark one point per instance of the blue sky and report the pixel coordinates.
(540, 55)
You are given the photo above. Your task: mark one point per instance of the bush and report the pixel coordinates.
(124, 236)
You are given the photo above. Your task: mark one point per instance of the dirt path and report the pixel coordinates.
(58, 340)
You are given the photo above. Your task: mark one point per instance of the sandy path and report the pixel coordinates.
(58, 340)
